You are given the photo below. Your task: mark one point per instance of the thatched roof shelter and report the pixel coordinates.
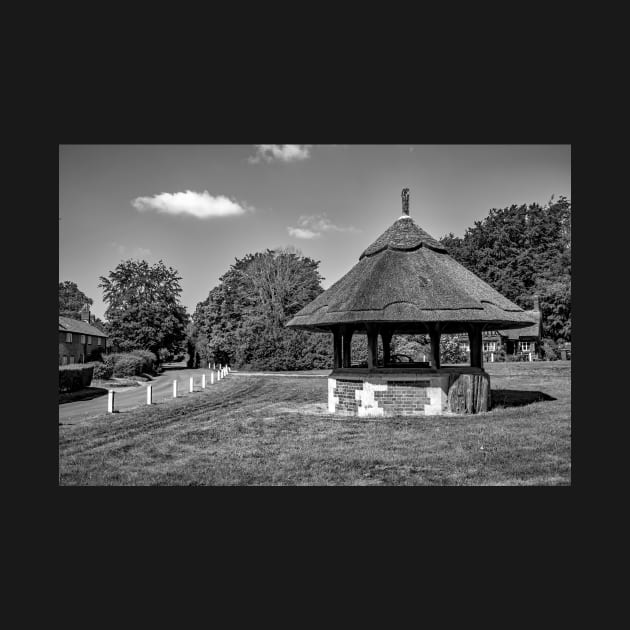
(406, 282)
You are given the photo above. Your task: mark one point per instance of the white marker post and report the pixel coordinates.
(530, 356)
(149, 394)
(191, 386)
(203, 381)
(110, 401)
(212, 377)
(174, 389)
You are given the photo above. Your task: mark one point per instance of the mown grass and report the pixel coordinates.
(271, 430)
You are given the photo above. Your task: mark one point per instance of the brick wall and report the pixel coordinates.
(362, 398)
(77, 349)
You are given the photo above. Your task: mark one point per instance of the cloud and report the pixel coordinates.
(314, 225)
(200, 205)
(136, 252)
(300, 233)
(282, 152)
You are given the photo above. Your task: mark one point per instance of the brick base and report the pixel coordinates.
(390, 394)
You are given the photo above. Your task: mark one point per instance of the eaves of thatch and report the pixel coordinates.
(407, 279)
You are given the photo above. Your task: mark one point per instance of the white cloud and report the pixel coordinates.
(314, 225)
(135, 252)
(200, 205)
(282, 152)
(301, 233)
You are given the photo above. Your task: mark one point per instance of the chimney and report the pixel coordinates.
(536, 303)
(85, 313)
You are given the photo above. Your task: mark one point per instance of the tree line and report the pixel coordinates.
(520, 251)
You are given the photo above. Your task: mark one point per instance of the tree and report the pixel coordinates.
(143, 307)
(72, 300)
(242, 320)
(522, 251)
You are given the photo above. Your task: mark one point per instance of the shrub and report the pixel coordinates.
(73, 377)
(103, 370)
(549, 350)
(128, 365)
(149, 360)
(124, 364)
(164, 354)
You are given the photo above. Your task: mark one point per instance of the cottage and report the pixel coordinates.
(406, 283)
(523, 342)
(79, 340)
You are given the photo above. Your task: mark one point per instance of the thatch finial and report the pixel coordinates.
(405, 201)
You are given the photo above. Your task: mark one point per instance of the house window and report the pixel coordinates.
(64, 360)
(489, 346)
(71, 360)
(82, 338)
(69, 337)
(465, 347)
(526, 346)
(98, 341)
(90, 339)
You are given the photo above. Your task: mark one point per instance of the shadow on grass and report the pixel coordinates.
(87, 393)
(517, 397)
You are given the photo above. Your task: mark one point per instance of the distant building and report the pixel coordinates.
(519, 342)
(79, 340)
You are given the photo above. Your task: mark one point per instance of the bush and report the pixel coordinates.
(73, 377)
(125, 364)
(149, 360)
(549, 350)
(165, 355)
(103, 370)
(128, 365)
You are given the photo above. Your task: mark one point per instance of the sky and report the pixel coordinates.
(198, 207)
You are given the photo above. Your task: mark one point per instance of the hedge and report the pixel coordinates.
(149, 360)
(103, 370)
(73, 377)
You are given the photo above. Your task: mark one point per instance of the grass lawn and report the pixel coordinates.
(275, 430)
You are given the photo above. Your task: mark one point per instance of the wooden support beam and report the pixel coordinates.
(346, 331)
(475, 338)
(386, 336)
(372, 343)
(434, 334)
(337, 347)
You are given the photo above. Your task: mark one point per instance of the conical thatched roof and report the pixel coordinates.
(406, 278)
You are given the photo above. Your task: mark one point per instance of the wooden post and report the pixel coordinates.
(149, 394)
(174, 389)
(434, 334)
(474, 337)
(372, 347)
(191, 387)
(336, 347)
(110, 401)
(386, 336)
(347, 345)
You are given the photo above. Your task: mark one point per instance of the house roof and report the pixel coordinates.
(406, 277)
(67, 324)
(530, 331)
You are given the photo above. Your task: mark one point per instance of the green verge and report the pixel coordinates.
(274, 430)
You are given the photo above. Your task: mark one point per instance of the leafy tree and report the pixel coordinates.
(143, 307)
(521, 251)
(242, 320)
(72, 300)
